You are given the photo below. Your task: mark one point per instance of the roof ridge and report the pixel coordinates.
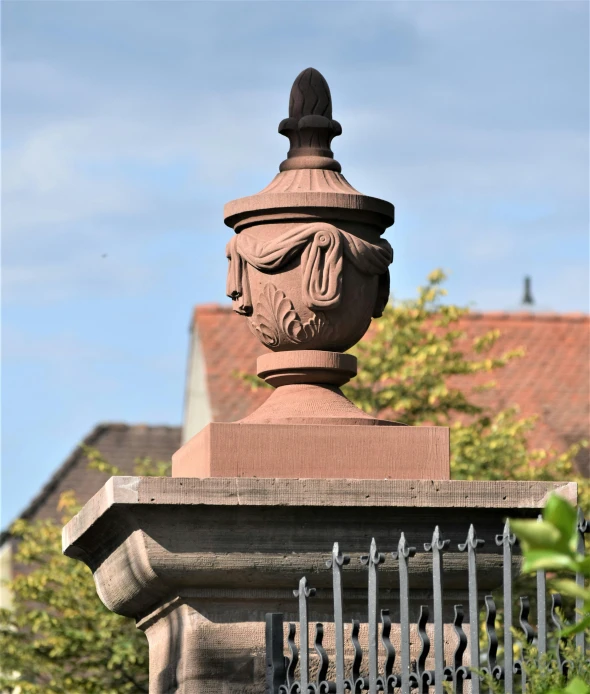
(572, 316)
(71, 461)
(212, 307)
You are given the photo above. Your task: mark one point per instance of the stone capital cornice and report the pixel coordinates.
(148, 540)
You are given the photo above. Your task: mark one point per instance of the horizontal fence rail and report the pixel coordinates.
(376, 666)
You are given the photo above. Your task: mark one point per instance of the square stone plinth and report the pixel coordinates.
(315, 451)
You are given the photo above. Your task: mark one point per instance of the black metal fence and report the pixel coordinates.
(375, 666)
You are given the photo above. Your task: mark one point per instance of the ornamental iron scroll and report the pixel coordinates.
(358, 666)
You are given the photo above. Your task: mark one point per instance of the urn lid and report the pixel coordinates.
(309, 185)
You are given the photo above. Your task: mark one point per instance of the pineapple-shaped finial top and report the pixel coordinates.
(310, 127)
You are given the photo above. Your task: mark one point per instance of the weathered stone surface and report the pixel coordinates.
(284, 450)
(196, 656)
(309, 270)
(198, 562)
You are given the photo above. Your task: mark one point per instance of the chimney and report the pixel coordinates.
(527, 299)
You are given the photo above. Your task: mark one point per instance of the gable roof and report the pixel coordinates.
(552, 380)
(120, 444)
(228, 347)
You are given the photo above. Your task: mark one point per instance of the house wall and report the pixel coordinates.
(5, 574)
(197, 408)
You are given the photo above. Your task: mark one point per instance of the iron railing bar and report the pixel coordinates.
(324, 663)
(506, 540)
(470, 546)
(353, 684)
(492, 638)
(336, 563)
(372, 561)
(388, 681)
(458, 672)
(303, 593)
(422, 679)
(275, 660)
(529, 635)
(281, 672)
(404, 552)
(583, 527)
(437, 546)
(293, 658)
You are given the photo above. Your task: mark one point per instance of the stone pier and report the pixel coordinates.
(198, 562)
(198, 559)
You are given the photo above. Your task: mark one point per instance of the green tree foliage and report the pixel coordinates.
(552, 545)
(544, 677)
(413, 367)
(412, 352)
(59, 638)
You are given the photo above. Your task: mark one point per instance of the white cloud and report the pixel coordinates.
(45, 186)
(63, 349)
(65, 277)
(133, 144)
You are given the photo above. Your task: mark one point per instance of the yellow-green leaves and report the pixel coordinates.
(552, 545)
(147, 467)
(406, 363)
(59, 638)
(562, 515)
(96, 461)
(576, 686)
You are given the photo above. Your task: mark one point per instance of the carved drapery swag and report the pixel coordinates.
(323, 248)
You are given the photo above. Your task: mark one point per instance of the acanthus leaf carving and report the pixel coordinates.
(275, 318)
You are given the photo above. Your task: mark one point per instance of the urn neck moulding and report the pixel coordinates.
(307, 266)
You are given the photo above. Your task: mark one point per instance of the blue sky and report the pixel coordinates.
(127, 125)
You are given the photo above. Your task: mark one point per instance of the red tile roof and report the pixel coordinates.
(552, 380)
(228, 347)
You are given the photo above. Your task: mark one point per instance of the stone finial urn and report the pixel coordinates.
(308, 268)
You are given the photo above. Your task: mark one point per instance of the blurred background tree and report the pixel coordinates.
(410, 369)
(58, 637)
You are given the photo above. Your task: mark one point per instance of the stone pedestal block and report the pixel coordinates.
(198, 562)
(315, 451)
